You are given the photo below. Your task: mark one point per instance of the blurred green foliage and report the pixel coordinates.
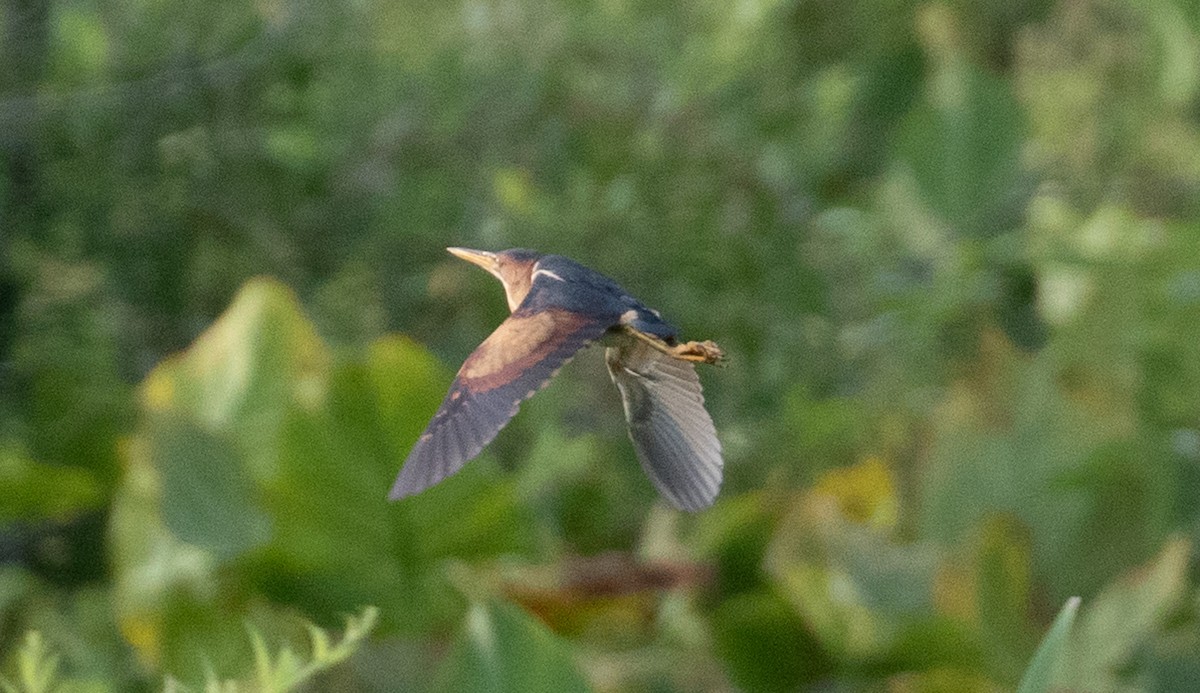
(953, 248)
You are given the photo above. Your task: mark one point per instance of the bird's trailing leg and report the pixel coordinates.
(696, 352)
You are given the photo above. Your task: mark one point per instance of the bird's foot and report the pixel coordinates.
(698, 352)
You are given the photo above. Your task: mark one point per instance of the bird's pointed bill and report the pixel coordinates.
(482, 258)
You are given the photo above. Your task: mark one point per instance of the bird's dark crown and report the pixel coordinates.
(520, 255)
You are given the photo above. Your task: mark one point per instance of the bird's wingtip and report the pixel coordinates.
(404, 487)
(690, 505)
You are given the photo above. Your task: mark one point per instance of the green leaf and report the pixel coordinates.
(207, 499)
(1123, 618)
(503, 650)
(243, 374)
(1051, 653)
(407, 384)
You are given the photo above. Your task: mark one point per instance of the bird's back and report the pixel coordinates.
(560, 282)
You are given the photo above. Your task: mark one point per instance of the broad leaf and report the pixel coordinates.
(503, 650)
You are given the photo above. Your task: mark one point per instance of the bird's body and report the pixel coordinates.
(558, 307)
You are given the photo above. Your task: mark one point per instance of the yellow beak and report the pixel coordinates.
(483, 258)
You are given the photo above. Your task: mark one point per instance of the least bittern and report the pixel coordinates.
(558, 307)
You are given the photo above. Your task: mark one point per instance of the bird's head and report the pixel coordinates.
(514, 269)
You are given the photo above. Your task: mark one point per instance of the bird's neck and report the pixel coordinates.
(515, 292)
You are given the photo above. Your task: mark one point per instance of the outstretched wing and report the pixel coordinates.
(517, 360)
(668, 424)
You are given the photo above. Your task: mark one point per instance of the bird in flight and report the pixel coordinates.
(558, 307)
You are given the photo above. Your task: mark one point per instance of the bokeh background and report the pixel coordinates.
(952, 247)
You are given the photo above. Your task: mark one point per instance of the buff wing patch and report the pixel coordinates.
(512, 364)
